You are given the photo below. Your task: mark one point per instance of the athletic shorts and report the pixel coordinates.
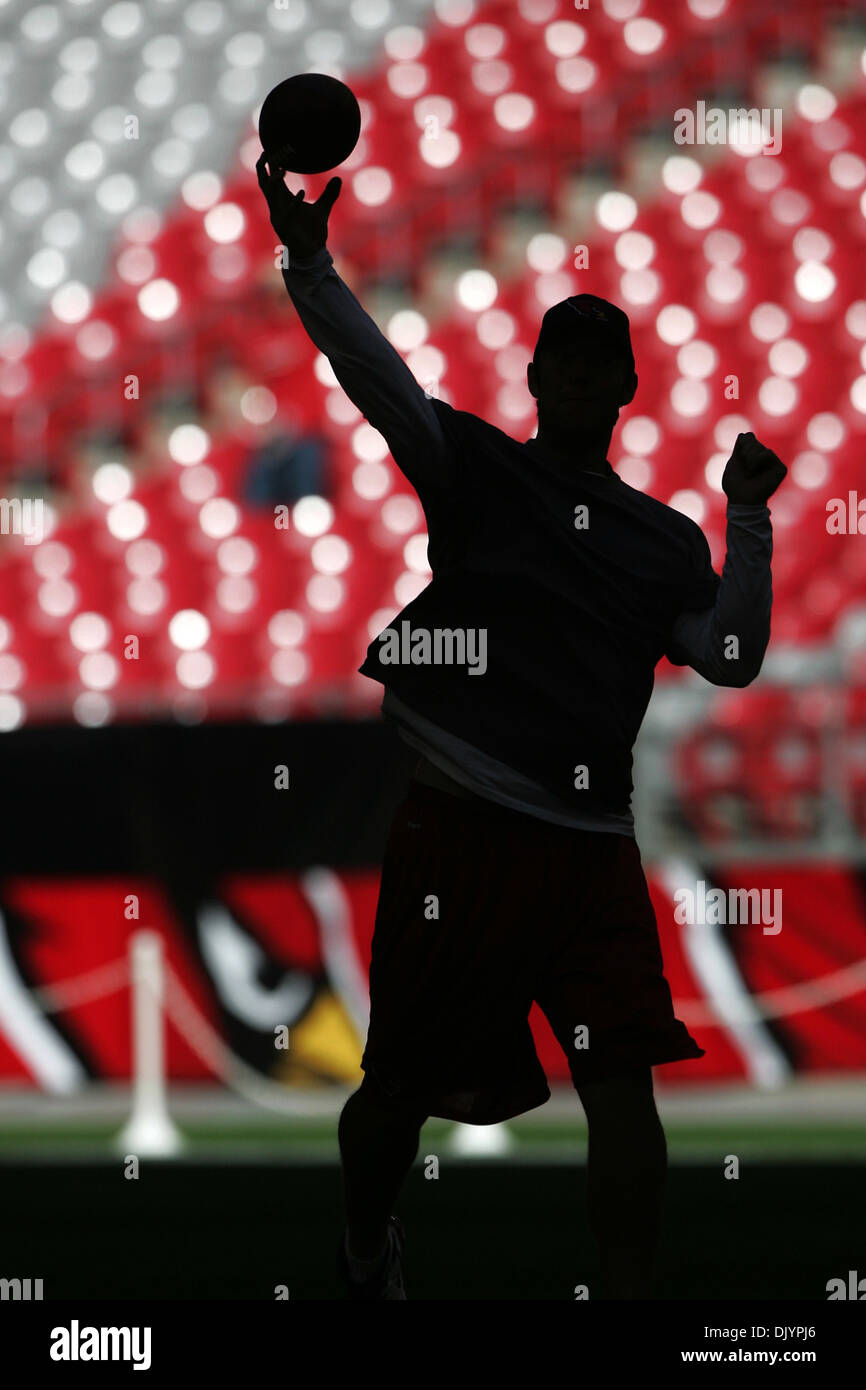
(483, 910)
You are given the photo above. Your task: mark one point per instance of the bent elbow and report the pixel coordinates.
(733, 673)
(738, 675)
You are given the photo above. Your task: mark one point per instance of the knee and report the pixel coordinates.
(399, 1107)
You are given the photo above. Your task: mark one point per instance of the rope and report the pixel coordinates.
(210, 1049)
(105, 979)
(273, 1095)
(781, 1003)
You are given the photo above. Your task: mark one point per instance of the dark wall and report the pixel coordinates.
(194, 801)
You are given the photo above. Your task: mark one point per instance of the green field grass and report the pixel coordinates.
(556, 1141)
(486, 1230)
(817, 1117)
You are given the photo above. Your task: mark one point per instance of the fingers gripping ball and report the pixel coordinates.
(301, 227)
(309, 123)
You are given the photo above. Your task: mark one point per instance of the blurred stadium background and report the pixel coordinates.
(159, 396)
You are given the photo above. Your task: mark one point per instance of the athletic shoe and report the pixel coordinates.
(390, 1281)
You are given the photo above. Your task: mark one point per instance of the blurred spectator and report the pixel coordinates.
(285, 460)
(287, 464)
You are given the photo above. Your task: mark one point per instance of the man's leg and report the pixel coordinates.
(378, 1145)
(626, 1171)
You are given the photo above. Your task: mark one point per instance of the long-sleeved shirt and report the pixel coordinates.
(525, 667)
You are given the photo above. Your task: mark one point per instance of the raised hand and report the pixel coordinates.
(752, 473)
(301, 227)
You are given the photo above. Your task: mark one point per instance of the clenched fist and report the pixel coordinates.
(301, 227)
(752, 473)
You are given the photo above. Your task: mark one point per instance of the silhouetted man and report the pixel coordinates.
(521, 675)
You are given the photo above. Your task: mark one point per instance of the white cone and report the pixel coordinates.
(149, 1136)
(480, 1141)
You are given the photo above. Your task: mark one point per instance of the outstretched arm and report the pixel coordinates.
(703, 640)
(368, 367)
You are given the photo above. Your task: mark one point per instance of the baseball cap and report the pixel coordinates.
(585, 317)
